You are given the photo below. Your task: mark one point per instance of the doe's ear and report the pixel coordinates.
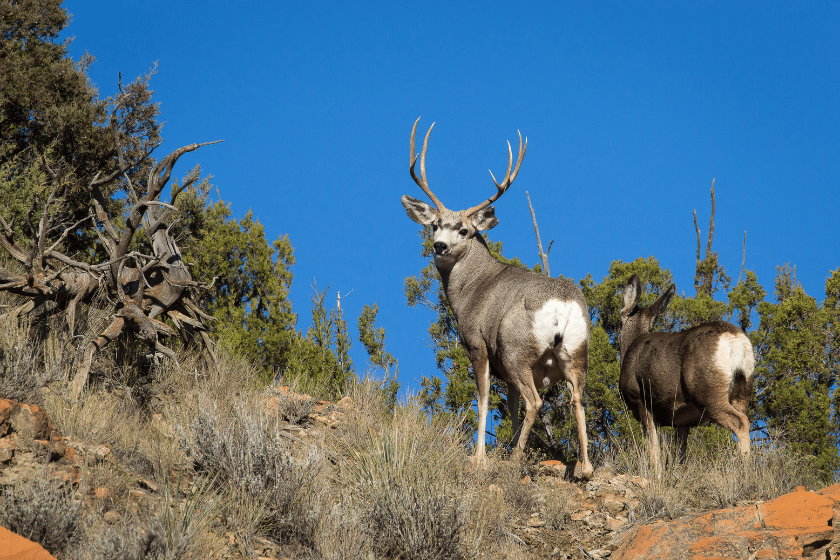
(485, 219)
(418, 210)
(664, 300)
(632, 293)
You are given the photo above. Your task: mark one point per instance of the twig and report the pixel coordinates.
(711, 223)
(543, 256)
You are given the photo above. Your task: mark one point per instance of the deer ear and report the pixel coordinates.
(418, 210)
(664, 300)
(632, 292)
(485, 219)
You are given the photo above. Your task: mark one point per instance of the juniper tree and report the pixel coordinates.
(373, 339)
(796, 370)
(52, 117)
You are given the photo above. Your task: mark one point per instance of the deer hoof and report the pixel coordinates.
(477, 462)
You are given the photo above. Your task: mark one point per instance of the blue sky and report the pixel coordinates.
(629, 112)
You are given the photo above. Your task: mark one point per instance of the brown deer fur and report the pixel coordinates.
(682, 379)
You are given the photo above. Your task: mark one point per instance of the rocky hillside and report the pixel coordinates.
(548, 513)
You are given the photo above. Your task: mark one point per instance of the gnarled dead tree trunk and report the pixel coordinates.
(141, 287)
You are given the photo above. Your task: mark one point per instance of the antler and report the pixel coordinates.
(423, 184)
(508, 177)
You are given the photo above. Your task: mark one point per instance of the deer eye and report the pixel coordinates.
(463, 232)
(434, 227)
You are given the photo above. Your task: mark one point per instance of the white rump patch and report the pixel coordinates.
(735, 352)
(565, 318)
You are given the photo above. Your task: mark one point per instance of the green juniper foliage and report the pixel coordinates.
(373, 339)
(52, 119)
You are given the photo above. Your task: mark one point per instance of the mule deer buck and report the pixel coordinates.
(524, 328)
(682, 379)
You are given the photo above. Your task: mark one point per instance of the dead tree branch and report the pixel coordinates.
(142, 285)
(543, 255)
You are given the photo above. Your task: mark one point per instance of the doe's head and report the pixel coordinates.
(635, 320)
(453, 230)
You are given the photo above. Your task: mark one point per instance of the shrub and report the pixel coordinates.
(405, 470)
(248, 450)
(42, 511)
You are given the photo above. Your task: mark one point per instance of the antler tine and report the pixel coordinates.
(508, 177)
(422, 183)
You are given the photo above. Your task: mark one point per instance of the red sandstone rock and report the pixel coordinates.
(31, 429)
(7, 449)
(15, 547)
(103, 493)
(558, 468)
(792, 526)
(5, 413)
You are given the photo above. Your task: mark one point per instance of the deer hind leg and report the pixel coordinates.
(108, 335)
(734, 420)
(574, 371)
(682, 442)
(739, 397)
(533, 404)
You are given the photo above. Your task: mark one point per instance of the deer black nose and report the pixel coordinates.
(440, 247)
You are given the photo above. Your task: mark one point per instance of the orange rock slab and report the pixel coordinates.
(15, 547)
(791, 526)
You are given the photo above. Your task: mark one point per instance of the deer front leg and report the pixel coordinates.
(513, 412)
(107, 336)
(481, 367)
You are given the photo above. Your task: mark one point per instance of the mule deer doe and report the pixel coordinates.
(524, 328)
(703, 374)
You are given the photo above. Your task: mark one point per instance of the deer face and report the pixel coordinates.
(452, 232)
(635, 320)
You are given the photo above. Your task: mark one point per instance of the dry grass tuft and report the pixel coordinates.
(26, 364)
(180, 529)
(404, 470)
(712, 477)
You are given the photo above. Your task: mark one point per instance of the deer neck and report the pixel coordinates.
(475, 264)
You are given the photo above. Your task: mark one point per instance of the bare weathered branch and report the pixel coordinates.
(192, 177)
(66, 232)
(711, 223)
(140, 287)
(696, 227)
(543, 256)
(158, 177)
